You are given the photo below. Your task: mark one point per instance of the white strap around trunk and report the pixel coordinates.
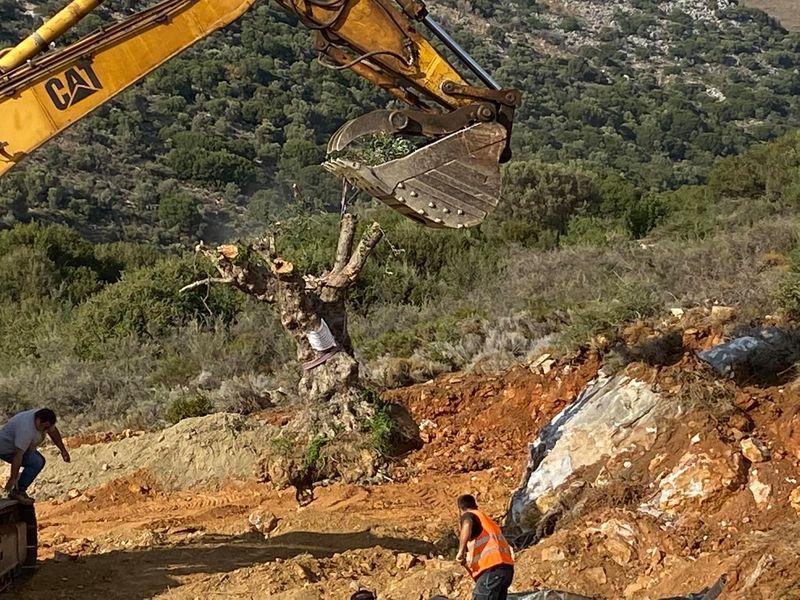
(321, 339)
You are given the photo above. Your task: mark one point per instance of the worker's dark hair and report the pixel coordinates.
(363, 595)
(467, 502)
(45, 415)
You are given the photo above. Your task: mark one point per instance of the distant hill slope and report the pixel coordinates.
(213, 142)
(786, 11)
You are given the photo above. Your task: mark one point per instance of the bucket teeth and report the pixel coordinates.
(453, 182)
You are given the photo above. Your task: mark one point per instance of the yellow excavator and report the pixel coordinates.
(452, 181)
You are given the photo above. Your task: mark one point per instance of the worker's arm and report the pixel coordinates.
(55, 435)
(464, 536)
(16, 464)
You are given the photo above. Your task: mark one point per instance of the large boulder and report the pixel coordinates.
(613, 416)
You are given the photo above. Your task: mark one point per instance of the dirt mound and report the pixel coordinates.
(204, 451)
(473, 422)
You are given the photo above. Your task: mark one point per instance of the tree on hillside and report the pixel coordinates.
(313, 312)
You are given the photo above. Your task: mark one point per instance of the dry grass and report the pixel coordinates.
(786, 11)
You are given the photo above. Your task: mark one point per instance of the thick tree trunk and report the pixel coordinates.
(337, 408)
(307, 305)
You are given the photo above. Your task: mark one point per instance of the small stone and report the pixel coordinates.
(741, 421)
(635, 588)
(303, 573)
(753, 450)
(597, 575)
(264, 523)
(677, 312)
(794, 500)
(761, 492)
(744, 401)
(405, 561)
(552, 554)
(105, 467)
(59, 538)
(73, 493)
(656, 556)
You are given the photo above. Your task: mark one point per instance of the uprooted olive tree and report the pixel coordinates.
(339, 430)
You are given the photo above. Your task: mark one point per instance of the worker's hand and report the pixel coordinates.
(65, 455)
(461, 558)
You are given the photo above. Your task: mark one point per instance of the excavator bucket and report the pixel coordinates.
(453, 182)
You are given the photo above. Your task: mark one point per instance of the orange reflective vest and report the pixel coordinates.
(490, 549)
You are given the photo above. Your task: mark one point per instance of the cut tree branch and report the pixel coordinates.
(343, 279)
(207, 281)
(347, 233)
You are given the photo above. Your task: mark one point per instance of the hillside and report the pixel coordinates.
(653, 90)
(610, 362)
(698, 482)
(786, 11)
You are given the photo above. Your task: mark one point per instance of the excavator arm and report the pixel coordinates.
(452, 182)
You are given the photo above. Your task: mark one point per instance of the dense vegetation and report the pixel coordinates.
(617, 205)
(101, 333)
(210, 144)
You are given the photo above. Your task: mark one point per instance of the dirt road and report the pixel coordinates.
(131, 544)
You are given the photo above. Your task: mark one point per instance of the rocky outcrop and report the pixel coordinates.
(610, 418)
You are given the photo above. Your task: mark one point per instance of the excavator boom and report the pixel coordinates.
(452, 182)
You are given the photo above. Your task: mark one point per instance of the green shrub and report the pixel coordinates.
(147, 303)
(179, 210)
(48, 261)
(119, 257)
(381, 430)
(187, 407)
(313, 459)
(644, 214)
(539, 197)
(631, 301)
(788, 293)
(765, 169)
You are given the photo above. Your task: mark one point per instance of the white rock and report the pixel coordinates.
(761, 491)
(609, 415)
(696, 479)
(754, 450)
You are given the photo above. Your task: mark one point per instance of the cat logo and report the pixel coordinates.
(74, 85)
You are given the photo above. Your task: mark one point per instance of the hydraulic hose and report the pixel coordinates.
(462, 54)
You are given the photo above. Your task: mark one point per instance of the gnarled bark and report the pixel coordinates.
(337, 408)
(303, 301)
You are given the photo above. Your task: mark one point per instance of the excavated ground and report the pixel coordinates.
(129, 536)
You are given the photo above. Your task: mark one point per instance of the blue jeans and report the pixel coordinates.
(494, 584)
(32, 465)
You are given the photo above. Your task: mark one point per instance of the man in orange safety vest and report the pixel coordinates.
(484, 551)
